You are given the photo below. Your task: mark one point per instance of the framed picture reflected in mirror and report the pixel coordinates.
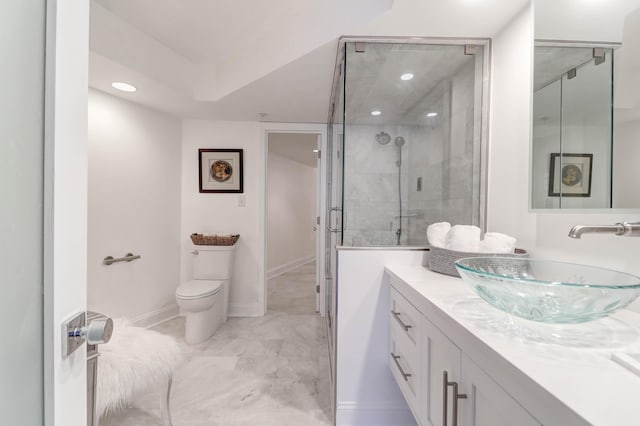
(570, 175)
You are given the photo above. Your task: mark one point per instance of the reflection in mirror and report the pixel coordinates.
(586, 105)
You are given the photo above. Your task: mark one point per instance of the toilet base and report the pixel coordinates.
(200, 326)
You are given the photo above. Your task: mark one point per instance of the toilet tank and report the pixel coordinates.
(212, 262)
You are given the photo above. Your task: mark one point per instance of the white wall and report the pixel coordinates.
(366, 392)
(581, 20)
(544, 234)
(626, 173)
(510, 115)
(211, 212)
(134, 206)
(291, 211)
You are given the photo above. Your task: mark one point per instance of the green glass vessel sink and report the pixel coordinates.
(549, 291)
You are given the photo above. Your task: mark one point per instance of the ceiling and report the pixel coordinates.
(253, 60)
(373, 81)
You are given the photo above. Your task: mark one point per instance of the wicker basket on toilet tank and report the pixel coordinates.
(442, 260)
(214, 240)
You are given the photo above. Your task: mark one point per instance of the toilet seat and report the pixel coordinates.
(196, 289)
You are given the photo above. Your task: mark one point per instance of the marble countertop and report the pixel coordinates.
(569, 363)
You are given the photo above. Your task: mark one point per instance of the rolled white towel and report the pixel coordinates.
(495, 242)
(437, 233)
(463, 238)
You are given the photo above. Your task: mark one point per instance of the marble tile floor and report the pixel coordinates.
(293, 292)
(271, 370)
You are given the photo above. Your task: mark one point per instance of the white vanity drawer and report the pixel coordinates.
(405, 315)
(405, 366)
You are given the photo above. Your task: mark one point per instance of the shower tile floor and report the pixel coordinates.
(271, 370)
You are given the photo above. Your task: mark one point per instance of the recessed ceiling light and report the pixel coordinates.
(125, 87)
(432, 114)
(376, 112)
(407, 76)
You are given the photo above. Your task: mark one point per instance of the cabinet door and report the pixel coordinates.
(487, 404)
(440, 355)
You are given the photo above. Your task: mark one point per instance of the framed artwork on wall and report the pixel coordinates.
(570, 175)
(220, 170)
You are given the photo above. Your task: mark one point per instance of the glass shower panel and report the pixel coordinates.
(412, 140)
(572, 127)
(584, 173)
(22, 39)
(547, 116)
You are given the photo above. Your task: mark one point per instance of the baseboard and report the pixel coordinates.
(243, 310)
(154, 317)
(279, 270)
(382, 413)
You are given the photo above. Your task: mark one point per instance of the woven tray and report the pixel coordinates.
(214, 240)
(442, 260)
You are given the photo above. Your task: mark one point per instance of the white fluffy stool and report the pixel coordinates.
(133, 361)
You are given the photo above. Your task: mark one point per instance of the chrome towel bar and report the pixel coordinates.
(127, 258)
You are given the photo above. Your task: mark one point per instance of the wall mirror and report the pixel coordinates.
(586, 105)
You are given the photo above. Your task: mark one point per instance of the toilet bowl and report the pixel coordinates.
(204, 299)
(201, 301)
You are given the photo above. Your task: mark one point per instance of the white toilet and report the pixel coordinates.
(205, 299)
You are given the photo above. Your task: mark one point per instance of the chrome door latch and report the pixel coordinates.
(75, 332)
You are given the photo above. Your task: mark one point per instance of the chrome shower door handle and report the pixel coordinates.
(337, 223)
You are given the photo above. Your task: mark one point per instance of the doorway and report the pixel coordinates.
(292, 229)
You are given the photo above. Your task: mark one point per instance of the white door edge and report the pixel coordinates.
(65, 205)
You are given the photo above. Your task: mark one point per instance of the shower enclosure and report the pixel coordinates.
(404, 145)
(411, 121)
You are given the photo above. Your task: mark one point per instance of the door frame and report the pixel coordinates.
(65, 206)
(266, 129)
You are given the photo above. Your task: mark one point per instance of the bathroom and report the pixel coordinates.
(169, 197)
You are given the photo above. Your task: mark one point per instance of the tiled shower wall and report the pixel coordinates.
(442, 151)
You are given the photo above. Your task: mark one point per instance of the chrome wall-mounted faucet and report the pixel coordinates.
(626, 229)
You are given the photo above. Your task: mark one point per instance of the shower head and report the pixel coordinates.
(383, 138)
(399, 141)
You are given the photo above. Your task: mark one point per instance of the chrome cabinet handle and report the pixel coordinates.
(405, 376)
(445, 396)
(396, 315)
(456, 396)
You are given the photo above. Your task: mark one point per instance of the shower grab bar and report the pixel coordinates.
(407, 215)
(127, 258)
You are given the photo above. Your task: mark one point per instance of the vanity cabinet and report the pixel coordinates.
(405, 350)
(438, 379)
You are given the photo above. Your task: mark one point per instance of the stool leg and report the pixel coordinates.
(165, 411)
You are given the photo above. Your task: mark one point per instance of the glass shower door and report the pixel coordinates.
(22, 40)
(334, 223)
